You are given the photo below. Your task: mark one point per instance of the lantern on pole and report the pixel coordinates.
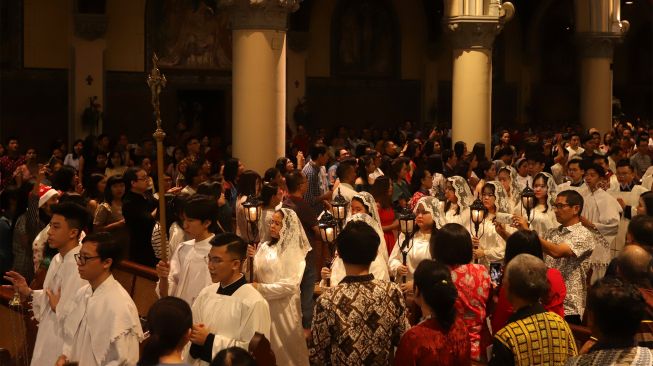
(328, 226)
(407, 227)
(528, 203)
(339, 208)
(253, 208)
(477, 214)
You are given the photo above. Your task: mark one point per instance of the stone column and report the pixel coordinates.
(259, 80)
(472, 29)
(598, 29)
(86, 71)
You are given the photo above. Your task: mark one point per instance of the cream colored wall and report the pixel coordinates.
(47, 29)
(319, 49)
(125, 35)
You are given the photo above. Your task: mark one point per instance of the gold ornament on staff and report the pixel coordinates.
(157, 81)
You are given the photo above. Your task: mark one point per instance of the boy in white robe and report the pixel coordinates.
(627, 194)
(103, 327)
(230, 311)
(186, 274)
(61, 283)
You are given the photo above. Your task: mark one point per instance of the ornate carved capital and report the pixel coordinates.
(260, 14)
(469, 32)
(598, 44)
(90, 26)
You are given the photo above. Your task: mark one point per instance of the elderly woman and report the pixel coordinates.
(452, 246)
(278, 269)
(428, 220)
(362, 208)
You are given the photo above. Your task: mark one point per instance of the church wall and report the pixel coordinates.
(47, 29)
(125, 36)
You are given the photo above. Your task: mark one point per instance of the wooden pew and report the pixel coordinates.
(140, 283)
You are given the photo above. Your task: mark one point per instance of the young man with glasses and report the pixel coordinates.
(230, 311)
(62, 281)
(568, 249)
(103, 327)
(186, 275)
(139, 215)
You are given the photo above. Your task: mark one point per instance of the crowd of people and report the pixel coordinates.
(507, 252)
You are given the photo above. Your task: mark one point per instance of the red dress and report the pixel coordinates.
(387, 216)
(473, 284)
(557, 293)
(428, 344)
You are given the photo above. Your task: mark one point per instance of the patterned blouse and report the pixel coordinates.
(473, 284)
(428, 344)
(573, 269)
(358, 322)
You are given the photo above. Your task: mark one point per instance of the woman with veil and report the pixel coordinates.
(278, 269)
(542, 217)
(362, 208)
(458, 199)
(489, 242)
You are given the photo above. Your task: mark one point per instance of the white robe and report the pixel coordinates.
(491, 242)
(177, 236)
(450, 217)
(62, 275)
(189, 273)
(417, 253)
(542, 221)
(630, 199)
(103, 328)
(279, 280)
(232, 319)
(346, 190)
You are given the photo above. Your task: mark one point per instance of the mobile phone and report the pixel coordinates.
(495, 272)
(504, 218)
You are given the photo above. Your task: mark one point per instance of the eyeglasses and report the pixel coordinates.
(81, 259)
(560, 206)
(216, 260)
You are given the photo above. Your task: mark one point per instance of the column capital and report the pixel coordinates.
(468, 32)
(260, 14)
(597, 44)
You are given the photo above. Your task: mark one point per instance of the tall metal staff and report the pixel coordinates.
(157, 81)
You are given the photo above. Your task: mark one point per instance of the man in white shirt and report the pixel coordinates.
(230, 311)
(187, 275)
(574, 146)
(62, 281)
(576, 173)
(103, 327)
(627, 194)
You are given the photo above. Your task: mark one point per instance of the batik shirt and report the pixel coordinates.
(573, 269)
(358, 322)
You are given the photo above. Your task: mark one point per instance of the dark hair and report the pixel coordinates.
(360, 200)
(397, 165)
(110, 163)
(358, 243)
(381, 191)
(316, 150)
(211, 189)
(595, 167)
(235, 244)
(270, 174)
(73, 153)
(459, 149)
(585, 138)
(617, 308)
(479, 151)
(416, 179)
(267, 192)
(247, 183)
(192, 171)
(581, 166)
(76, 216)
(603, 158)
(536, 156)
(647, 197)
(230, 170)
(641, 229)
(625, 162)
(165, 335)
(131, 175)
(233, 356)
(451, 245)
(10, 139)
(504, 151)
(523, 242)
(293, 179)
(433, 280)
(546, 180)
(111, 181)
(573, 199)
(434, 164)
(62, 180)
(202, 208)
(614, 150)
(281, 164)
(483, 166)
(527, 279)
(446, 155)
(107, 248)
(91, 191)
(344, 167)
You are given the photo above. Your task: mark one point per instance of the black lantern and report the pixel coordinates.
(253, 208)
(528, 202)
(407, 227)
(476, 215)
(339, 208)
(328, 226)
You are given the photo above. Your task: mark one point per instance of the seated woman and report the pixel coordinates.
(362, 208)
(490, 245)
(441, 338)
(167, 338)
(528, 242)
(428, 220)
(452, 246)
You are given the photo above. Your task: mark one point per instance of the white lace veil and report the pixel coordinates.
(369, 203)
(292, 238)
(432, 206)
(462, 191)
(551, 189)
(501, 198)
(377, 227)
